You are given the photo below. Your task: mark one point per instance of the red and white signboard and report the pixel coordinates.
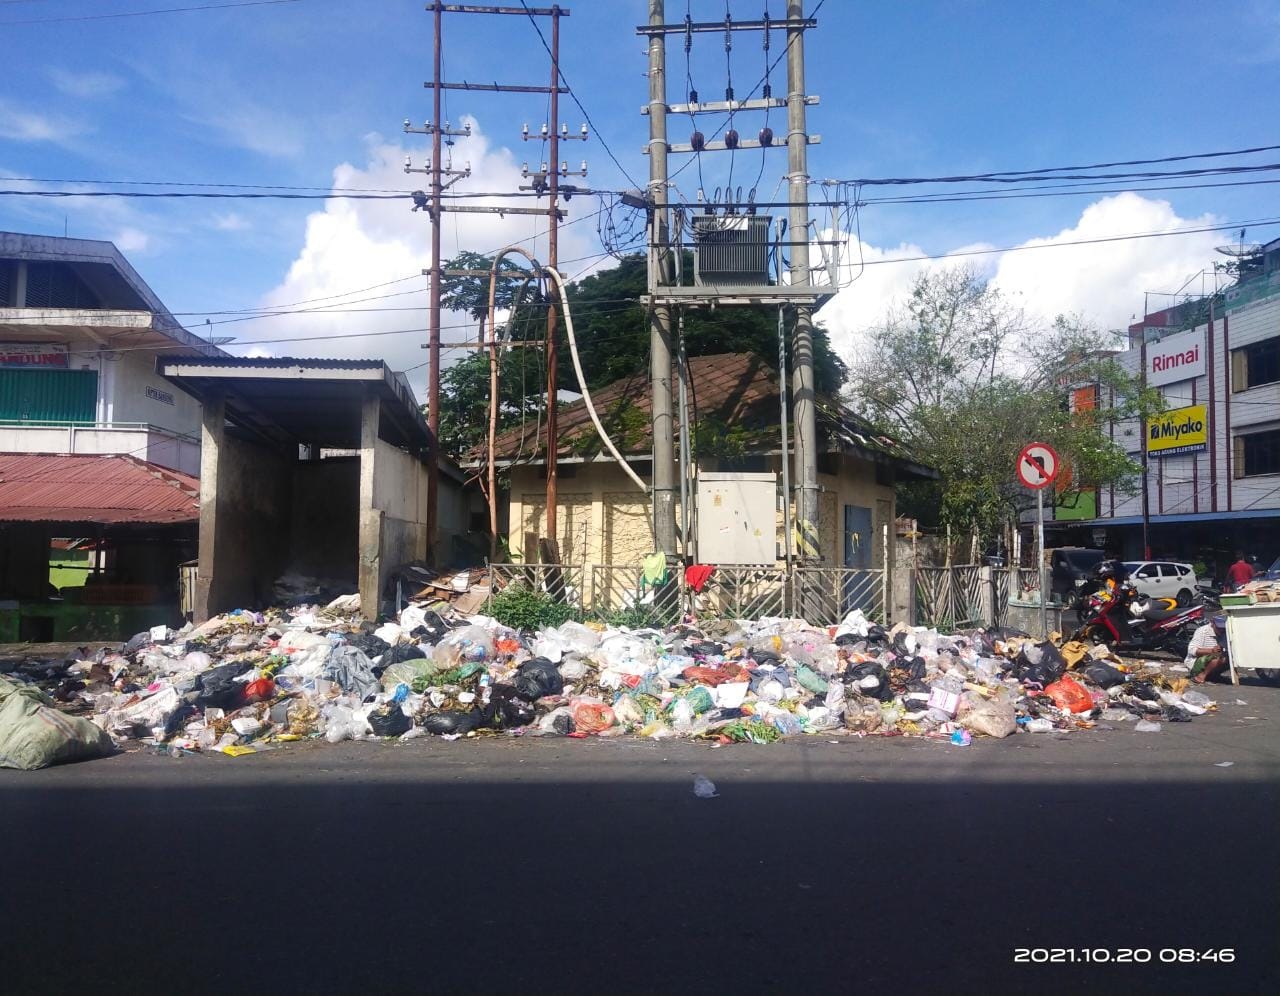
(33, 354)
(1176, 358)
(1037, 465)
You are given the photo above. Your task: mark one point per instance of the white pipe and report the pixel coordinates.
(582, 382)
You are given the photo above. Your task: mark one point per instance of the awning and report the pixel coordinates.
(104, 490)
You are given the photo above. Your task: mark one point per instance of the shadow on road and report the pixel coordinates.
(344, 884)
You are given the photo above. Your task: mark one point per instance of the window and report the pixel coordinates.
(1257, 453)
(1147, 571)
(1168, 571)
(1255, 365)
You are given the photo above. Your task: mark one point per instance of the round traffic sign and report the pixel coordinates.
(1037, 465)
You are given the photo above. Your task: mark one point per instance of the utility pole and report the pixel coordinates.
(720, 289)
(806, 452)
(435, 207)
(664, 467)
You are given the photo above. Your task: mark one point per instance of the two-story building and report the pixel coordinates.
(98, 452)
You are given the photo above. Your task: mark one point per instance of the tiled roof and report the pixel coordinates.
(733, 389)
(99, 489)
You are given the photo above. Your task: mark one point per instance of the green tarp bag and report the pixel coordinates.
(33, 734)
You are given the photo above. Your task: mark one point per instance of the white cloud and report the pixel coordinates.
(258, 129)
(354, 244)
(259, 353)
(231, 222)
(23, 125)
(86, 85)
(131, 240)
(1103, 282)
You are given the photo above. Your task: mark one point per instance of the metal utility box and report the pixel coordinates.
(732, 249)
(737, 518)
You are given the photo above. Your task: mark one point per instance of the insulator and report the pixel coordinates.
(698, 141)
(731, 139)
(766, 137)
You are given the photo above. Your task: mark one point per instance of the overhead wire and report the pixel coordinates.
(147, 13)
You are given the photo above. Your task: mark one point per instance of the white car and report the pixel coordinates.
(1163, 579)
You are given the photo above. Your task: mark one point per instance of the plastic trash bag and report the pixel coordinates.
(389, 721)
(451, 722)
(33, 734)
(537, 678)
(507, 709)
(1103, 674)
(627, 711)
(1040, 663)
(1070, 696)
(592, 717)
(352, 670)
(993, 718)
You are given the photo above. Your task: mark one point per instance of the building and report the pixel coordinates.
(604, 518)
(98, 452)
(1213, 458)
(313, 469)
(80, 333)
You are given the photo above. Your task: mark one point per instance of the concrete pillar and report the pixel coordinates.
(213, 430)
(20, 285)
(370, 555)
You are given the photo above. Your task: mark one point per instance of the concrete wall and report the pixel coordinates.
(158, 446)
(245, 505)
(129, 380)
(324, 523)
(393, 509)
(603, 518)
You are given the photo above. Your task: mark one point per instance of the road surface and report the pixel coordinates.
(541, 865)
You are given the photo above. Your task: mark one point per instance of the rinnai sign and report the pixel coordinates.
(33, 354)
(1180, 357)
(1182, 430)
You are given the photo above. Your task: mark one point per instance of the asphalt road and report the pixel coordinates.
(589, 866)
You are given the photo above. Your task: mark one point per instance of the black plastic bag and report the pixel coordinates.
(401, 652)
(389, 721)
(1103, 674)
(563, 724)
(137, 642)
(704, 648)
(507, 709)
(451, 722)
(848, 639)
(538, 677)
(218, 688)
(1175, 715)
(859, 673)
(1040, 663)
(370, 644)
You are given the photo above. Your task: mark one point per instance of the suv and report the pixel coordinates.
(1163, 579)
(1069, 568)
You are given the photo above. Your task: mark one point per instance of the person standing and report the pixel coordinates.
(1240, 573)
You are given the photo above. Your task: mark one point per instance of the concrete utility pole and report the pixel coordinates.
(664, 466)
(806, 428)
(553, 260)
(433, 321)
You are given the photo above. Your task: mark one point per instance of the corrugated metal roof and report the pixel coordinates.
(265, 362)
(733, 389)
(99, 489)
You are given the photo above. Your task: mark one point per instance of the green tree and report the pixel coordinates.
(967, 380)
(613, 331)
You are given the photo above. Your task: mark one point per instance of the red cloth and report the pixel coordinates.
(696, 576)
(1240, 573)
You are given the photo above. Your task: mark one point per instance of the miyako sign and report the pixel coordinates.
(1180, 357)
(1181, 430)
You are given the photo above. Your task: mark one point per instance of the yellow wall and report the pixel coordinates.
(605, 519)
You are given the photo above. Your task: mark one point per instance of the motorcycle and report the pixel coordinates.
(1124, 621)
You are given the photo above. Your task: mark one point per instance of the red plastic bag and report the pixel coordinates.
(260, 691)
(706, 675)
(1069, 695)
(590, 717)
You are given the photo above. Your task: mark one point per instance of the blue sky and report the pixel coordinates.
(303, 93)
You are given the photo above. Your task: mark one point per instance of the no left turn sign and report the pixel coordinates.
(1037, 465)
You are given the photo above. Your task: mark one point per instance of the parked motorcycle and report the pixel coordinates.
(1108, 617)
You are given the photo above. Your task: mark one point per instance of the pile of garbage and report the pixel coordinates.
(248, 681)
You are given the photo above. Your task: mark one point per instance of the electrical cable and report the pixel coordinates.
(574, 97)
(582, 380)
(146, 13)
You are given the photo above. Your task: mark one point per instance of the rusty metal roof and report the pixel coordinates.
(729, 390)
(37, 487)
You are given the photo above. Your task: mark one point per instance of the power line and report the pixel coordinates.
(1049, 191)
(1060, 169)
(1021, 178)
(146, 13)
(574, 97)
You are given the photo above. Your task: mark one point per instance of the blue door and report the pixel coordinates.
(858, 589)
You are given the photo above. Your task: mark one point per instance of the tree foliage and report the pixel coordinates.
(967, 380)
(612, 331)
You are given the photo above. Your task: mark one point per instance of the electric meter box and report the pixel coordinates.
(738, 518)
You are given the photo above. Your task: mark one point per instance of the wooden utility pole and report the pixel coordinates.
(436, 207)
